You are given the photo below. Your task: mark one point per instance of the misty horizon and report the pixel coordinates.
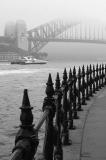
(35, 13)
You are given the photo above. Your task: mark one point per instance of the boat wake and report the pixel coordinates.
(20, 71)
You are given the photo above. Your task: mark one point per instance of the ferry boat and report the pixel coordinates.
(29, 60)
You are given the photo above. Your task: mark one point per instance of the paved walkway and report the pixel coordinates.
(89, 139)
(94, 139)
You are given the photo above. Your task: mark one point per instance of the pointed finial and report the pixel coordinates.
(26, 116)
(102, 66)
(25, 102)
(65, 74)
(83, 70)
(49, 89)
(90, 68)
(79, 71)
(87, 68)
(57, 84)
(93, 67)
(70, 74)
(74, 71)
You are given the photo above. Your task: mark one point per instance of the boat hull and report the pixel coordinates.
(27, 63)
(28, 60)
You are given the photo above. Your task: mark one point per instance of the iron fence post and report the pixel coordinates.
(49, 104)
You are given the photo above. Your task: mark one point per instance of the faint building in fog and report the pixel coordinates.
(10, 30)
(18, 32)
(14, 43)
(21, 35)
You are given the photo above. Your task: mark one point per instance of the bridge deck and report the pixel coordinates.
(89, 139)
(75, 40)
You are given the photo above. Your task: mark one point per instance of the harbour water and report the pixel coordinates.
(13, 80)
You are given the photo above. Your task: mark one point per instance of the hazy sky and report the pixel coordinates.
(36, 12)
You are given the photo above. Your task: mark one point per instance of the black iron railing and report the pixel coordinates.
(60, 107)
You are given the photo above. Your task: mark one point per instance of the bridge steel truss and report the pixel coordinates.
(41, 35)
(85, 33)
(61, 31)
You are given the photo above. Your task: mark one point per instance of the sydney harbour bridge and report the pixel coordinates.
(53, 31)
(62, 31)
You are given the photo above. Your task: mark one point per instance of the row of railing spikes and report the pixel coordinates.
(61, 105)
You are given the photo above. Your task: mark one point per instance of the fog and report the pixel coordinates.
(36, 12)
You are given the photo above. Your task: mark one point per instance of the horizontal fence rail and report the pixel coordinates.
(60, 108)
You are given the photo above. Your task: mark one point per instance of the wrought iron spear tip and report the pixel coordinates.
(93, 67)
(65, 74)
(58, 78)
(26, 116)
(90, 66)
(83, 69)
(99, 68)
(25, 101)
(70, 74)
(87, 70)
(49, 80)
(65, 71)
(102, 66)
(74, 70)
(70, 71)
(57, 84)
(79, 70)
(83, 66)
(49, 89)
